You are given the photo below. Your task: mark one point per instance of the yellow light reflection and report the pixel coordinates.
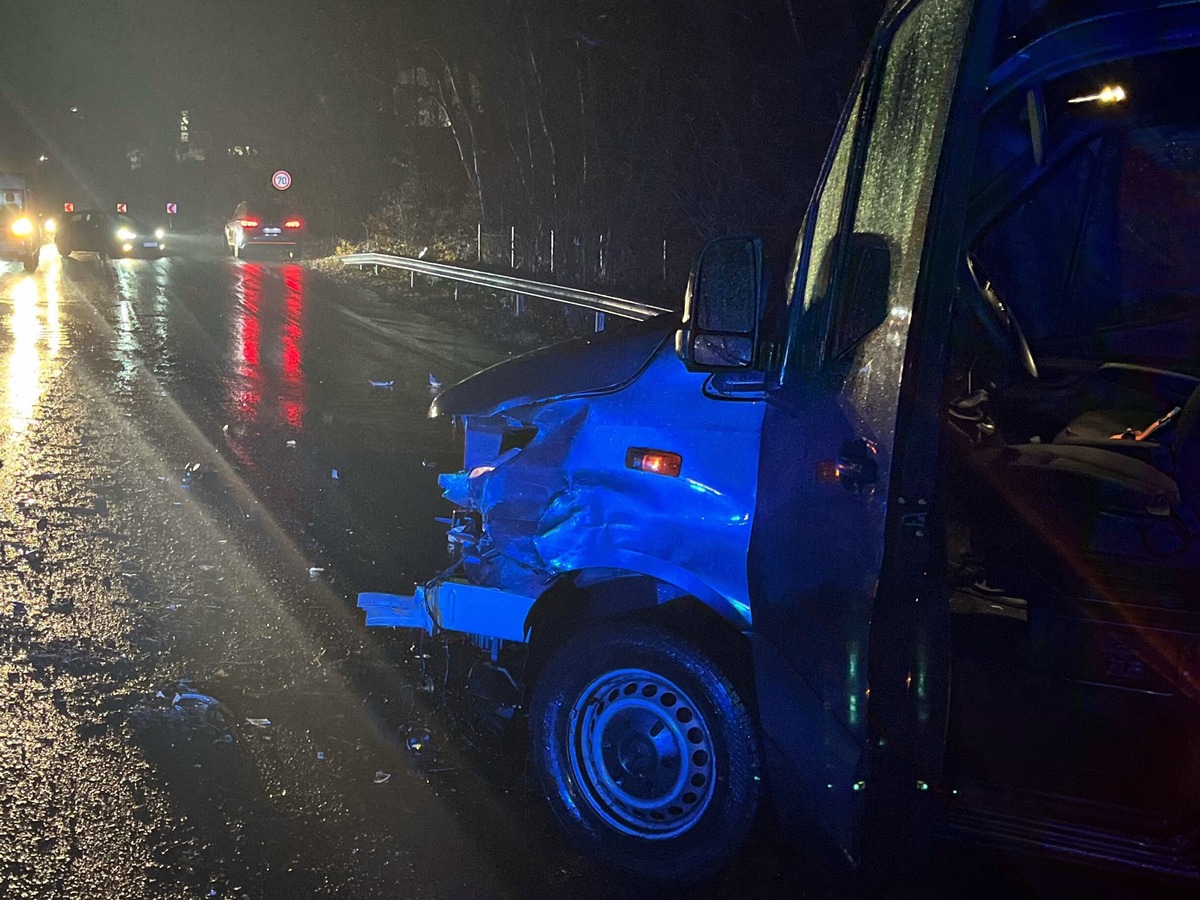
(1112, 93)
(24, 362)
(36, 338)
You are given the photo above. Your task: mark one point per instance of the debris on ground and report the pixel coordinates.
(193, 473)
(259, 723)
(315, 571)
(385, 385)
(382, 777)
(334, 474)
(292, 444)
(191, 713)
(417, 740)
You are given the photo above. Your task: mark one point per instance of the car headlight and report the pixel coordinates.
(159, 233)
(126, 234)
(50, 226)
(22, 227)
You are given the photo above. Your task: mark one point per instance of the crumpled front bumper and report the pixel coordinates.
(451, 606)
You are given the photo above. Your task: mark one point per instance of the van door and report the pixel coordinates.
(830, 455)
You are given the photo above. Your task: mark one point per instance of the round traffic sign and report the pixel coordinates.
(282, 180)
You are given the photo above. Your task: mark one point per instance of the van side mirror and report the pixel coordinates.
(723, 305)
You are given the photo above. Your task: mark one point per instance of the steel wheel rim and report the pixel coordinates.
(641, 753)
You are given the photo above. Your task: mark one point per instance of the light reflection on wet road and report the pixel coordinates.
(158, 532)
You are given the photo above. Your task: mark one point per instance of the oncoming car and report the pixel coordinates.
(108, 234)
(272, 224)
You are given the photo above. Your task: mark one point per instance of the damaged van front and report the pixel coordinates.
(592, 461)
(602, 478)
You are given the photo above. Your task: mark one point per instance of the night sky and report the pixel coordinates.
(130, 67)
(303, 81)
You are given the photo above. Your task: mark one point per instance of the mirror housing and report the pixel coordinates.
(723, 305)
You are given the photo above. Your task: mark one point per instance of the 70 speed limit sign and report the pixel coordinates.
(282, 180)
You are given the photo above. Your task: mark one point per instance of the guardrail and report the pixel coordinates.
(602, 304)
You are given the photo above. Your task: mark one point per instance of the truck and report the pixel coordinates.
(909, 554)
(20, 230)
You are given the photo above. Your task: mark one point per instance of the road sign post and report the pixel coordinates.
(122, 208)
(172, 208)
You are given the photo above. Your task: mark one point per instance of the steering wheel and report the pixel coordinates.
(998, 320)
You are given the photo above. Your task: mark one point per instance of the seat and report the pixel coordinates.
(1079, 517)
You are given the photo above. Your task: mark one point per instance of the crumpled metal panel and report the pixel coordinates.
(567, 502)
(583, 365)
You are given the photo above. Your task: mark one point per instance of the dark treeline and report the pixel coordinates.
(638, 121)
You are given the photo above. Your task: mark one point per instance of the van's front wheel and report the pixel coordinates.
(648, 755)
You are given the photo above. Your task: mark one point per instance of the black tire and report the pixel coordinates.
(31, 261)
(601, 709)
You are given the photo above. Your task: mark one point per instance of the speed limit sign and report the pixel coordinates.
(282, 180)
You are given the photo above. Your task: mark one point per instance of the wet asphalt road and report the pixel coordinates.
(157, 532)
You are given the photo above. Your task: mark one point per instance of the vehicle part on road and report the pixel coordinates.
(383, 384)
(646, 751)
(382, 777)
(451, 606)
(259, 723)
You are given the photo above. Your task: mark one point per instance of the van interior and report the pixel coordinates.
(1071, 458)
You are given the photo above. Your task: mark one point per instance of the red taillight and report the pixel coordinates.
(292, 223)
(660, 462)
(249, 223)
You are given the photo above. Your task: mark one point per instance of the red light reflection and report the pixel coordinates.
(263, 322)
(246, 384)
(292, 398)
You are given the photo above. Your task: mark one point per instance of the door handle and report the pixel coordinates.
(858, 464)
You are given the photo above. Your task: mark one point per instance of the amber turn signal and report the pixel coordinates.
(660, 462)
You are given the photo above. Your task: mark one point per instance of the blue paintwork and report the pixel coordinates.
(396, 610)
(451, 606)
(566, 503)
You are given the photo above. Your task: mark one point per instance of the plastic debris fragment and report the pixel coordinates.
(381, 777)
(320, 754)
(434, 383)
(259, 723)
(385, 385)
(315, 571)
(334, 475)
(292, 444)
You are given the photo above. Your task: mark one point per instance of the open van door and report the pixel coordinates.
(850, 639)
